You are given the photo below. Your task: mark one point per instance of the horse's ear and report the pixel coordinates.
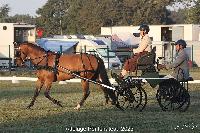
(15, 43)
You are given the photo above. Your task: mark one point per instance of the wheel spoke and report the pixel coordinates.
(136, 96)
(172, 96)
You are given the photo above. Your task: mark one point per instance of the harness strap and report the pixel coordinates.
(46, 58)
(55, 66)
(56, 61)
(43, 57)
(85, 71)
(82, 61)
(93, 71)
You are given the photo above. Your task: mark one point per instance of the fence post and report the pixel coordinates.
(9, 59)
(85, 48)
(108, 56)
(61, 49)
(192, 55)
(172, 51)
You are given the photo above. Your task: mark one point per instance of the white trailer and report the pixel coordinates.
(163, 36)
(188, 32)
(13, 32)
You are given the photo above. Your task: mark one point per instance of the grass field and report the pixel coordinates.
(47, 117)
(95, 115)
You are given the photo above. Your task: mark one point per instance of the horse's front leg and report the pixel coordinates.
(86, 93)
(39, 85)
(47, 91)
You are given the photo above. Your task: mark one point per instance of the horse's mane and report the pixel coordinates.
(35, 46)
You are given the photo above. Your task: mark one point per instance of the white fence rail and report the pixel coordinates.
(15, 79)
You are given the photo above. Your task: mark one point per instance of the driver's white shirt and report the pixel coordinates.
(145, 45)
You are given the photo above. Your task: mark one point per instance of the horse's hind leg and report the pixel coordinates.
(47, 91)
(39, 85)
(105, 94)
(86, 93)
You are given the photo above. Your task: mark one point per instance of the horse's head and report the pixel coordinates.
(20, 56)
(30, 52)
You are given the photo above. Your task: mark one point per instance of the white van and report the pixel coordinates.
(99, 48)
(110, 59)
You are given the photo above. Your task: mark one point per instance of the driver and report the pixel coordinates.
(143, 48)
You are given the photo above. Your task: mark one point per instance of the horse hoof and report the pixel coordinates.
(60, 105)
(107, 101)
(78, 107)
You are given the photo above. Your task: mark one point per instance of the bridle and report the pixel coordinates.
(19, 53)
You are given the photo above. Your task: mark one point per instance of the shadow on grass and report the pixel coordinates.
(26, 89)
(12, 92)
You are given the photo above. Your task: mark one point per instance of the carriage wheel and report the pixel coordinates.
(185, 103)
(164, 100)
(140, 98)
(123, 100)
(137, 98)
(172, 96)
(134, 98)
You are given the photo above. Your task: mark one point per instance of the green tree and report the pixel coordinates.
(22, 19)
(4, 10)
(177, 17)
(88, 16)
(52, 16)
(193, 14)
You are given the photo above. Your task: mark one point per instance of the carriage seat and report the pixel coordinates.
(188, 79)
(146, 61)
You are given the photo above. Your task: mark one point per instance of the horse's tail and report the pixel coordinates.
(101, 73)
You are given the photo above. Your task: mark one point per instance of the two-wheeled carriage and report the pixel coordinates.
(171, 94)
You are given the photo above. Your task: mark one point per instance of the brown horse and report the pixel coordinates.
(52, 67)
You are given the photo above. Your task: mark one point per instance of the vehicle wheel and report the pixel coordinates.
(131, 95)
(164, 99)
(140, 96)
(171, 96)
(124, 98)
(134, 98)
(185, 102)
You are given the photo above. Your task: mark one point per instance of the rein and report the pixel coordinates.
(42, 58)
(30, 59)
(89, 80)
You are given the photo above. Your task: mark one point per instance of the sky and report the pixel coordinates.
(30, 6)
(23, 6)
